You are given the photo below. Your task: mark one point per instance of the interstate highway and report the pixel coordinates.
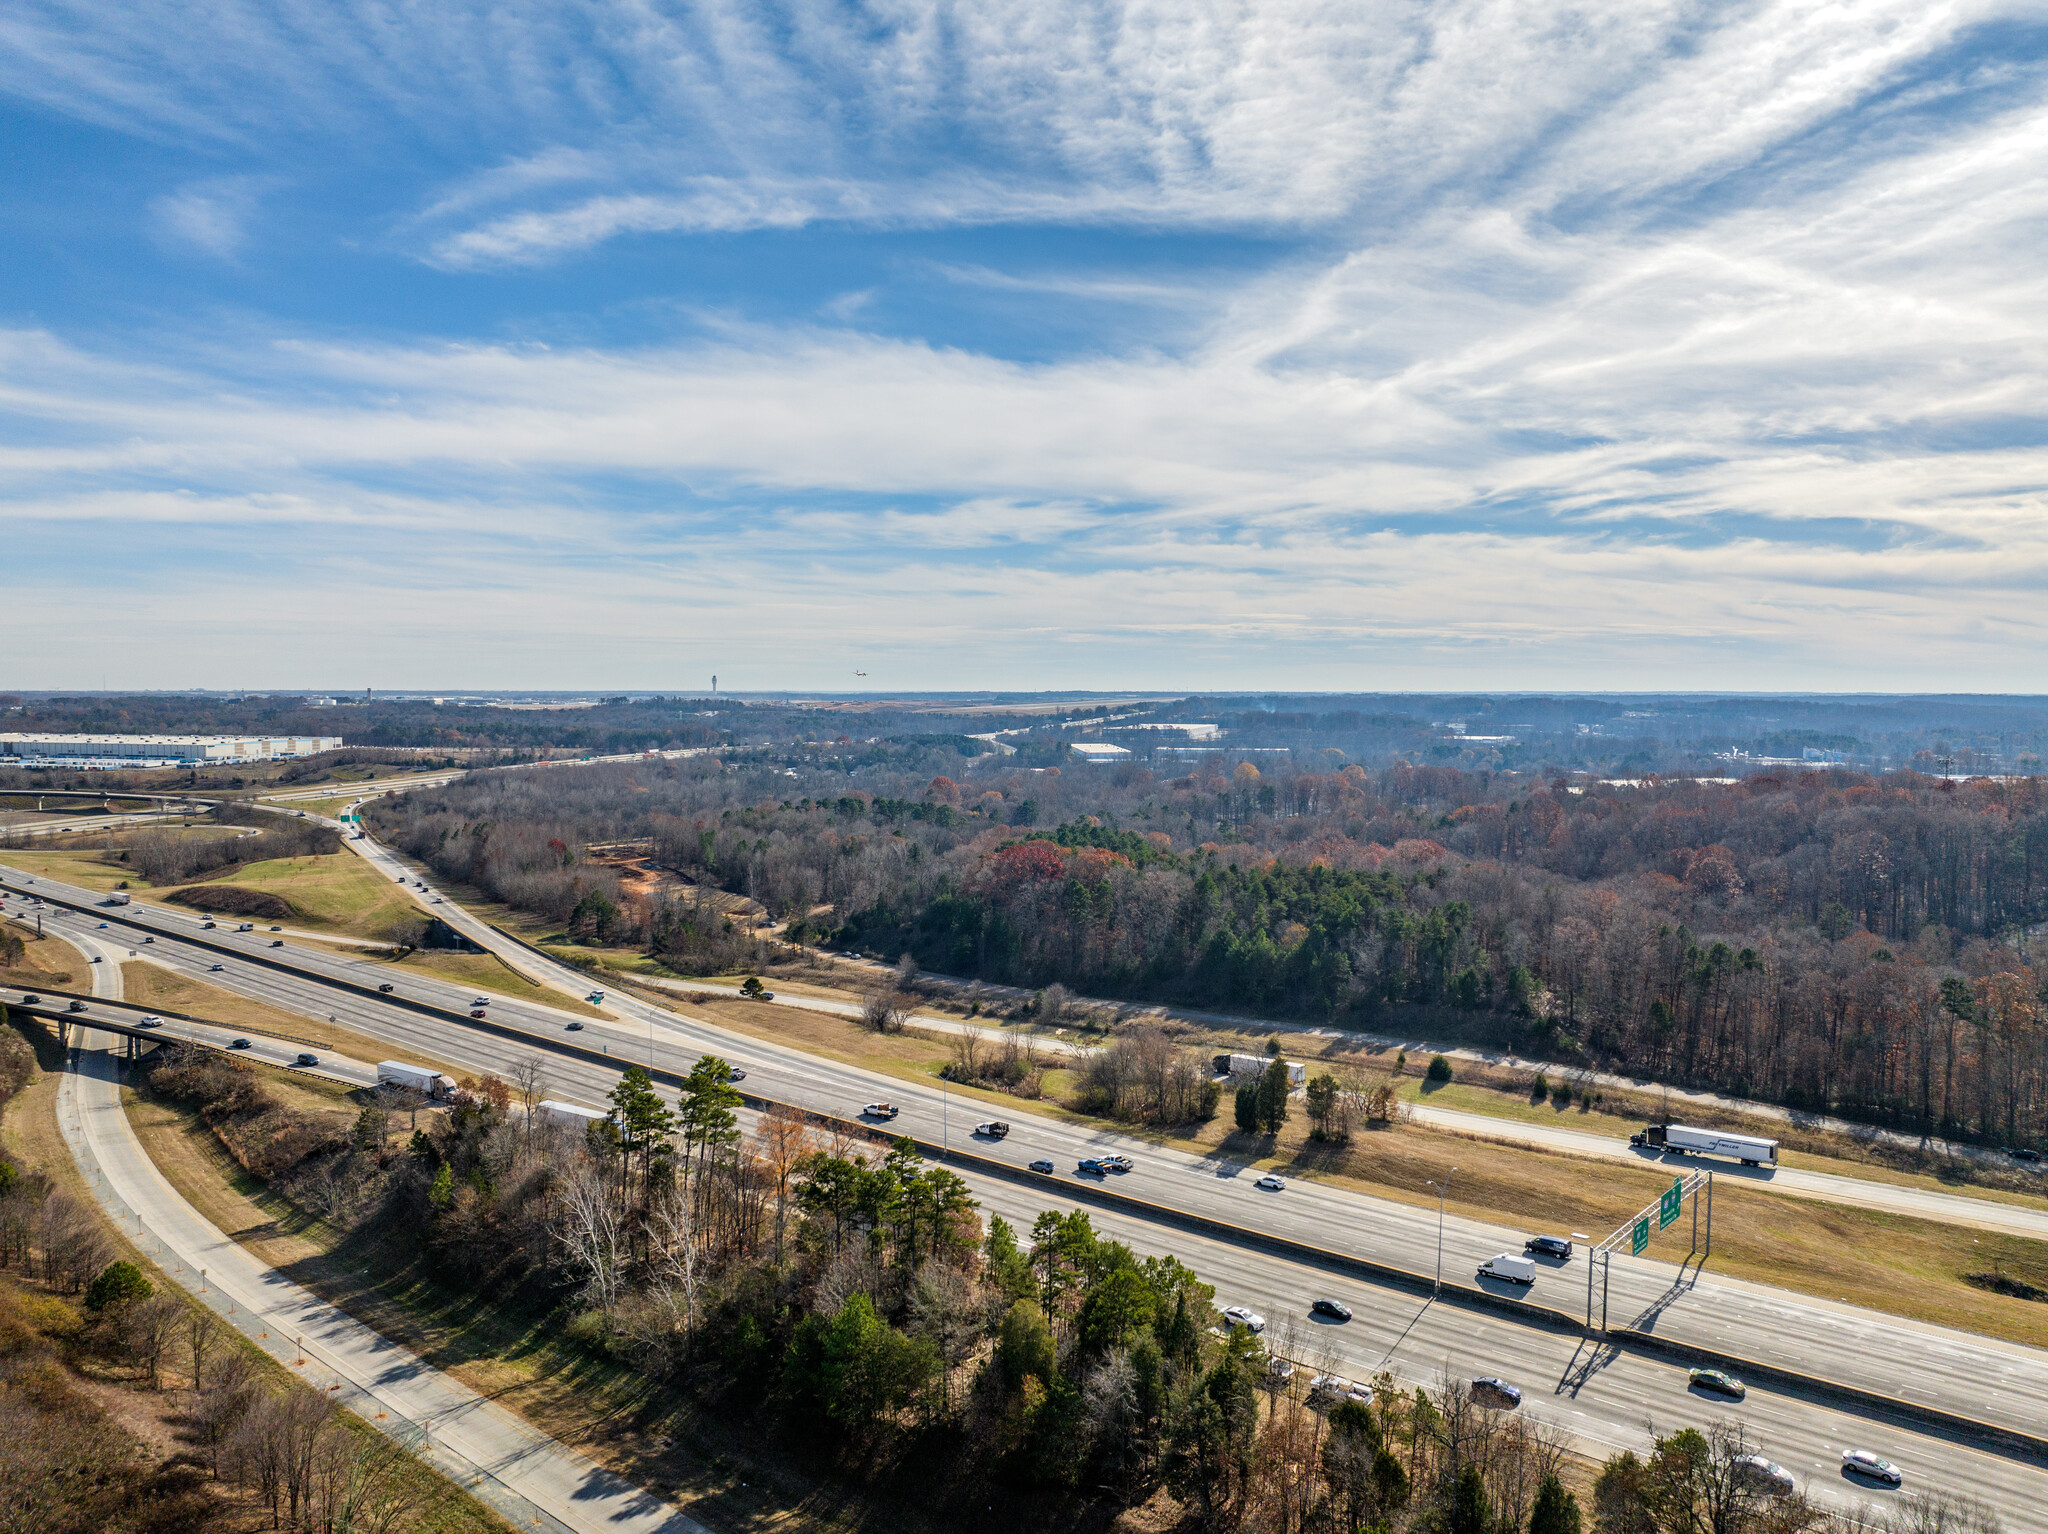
(1604, 1400)
(1955, 1371)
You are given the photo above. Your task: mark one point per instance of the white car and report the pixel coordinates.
(149, 1020)
(880, 1111)
(1271, 1183)
(1279, 1369)
(479, 1001)
(1250, 1320)
(1766, 1476)
(1862, 1462)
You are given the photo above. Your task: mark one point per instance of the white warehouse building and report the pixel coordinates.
(22, 749)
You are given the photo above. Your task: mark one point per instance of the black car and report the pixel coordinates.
(76, 1006)
(29, 998)
(305, 1059)
(1548, 1246)
(575, 1027)
(2024, 1153)
(1496, 1392)
(387, 987)
(1336, 1310)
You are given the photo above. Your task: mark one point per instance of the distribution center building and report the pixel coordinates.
(35, 750)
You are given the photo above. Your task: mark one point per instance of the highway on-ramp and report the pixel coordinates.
(1954, 1371)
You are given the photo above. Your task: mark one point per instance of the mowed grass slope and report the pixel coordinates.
(334, 892)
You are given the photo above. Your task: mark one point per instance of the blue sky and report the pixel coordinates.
(1163, 345)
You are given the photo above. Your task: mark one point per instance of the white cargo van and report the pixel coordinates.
(1516, 1270)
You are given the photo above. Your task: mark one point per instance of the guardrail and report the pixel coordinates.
(2012, 1440)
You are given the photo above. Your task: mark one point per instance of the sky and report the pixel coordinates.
(1197, 345)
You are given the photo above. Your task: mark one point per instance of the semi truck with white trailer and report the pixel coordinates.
(568, 1115)
(1255, 1065)
(396, 1073)
(1750, 1150)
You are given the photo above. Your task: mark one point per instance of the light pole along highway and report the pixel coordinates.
(1438, 1288)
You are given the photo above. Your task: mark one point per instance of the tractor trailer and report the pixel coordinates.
(1255, 1065)
(1748, 1149)
(396, 1073)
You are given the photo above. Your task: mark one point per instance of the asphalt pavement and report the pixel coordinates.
(1942, 1367)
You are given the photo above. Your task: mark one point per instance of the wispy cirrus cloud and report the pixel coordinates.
(1428, 339)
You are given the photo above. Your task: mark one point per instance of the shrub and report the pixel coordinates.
(1539, 1089)
(117, 1286)
(1439, 1069)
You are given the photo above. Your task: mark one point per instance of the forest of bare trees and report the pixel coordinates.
(1827, 939)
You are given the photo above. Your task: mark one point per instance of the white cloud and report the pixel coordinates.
(210, 216)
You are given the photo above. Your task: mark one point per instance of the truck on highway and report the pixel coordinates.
(1750, 1150)
(568, 1115)
(119, 897)
(1255, 1065)
(396, 1073)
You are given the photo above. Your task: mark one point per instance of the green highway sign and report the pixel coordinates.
(1639, 1238)
(1671, 1203)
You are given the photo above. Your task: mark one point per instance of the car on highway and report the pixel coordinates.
(238, 1043)
(277, 942)
(99, 958)
(1235, 1316)
(880, 1111)
(1042, 1165)
(992, 1129)
(214, 969)
(574, 1028)
(734, 1073)
(1491, 1390)
(1336, 1310)
(1088, 1166)
(306, 1059)
(1764, 1475)
(479, 1001)
(29, 998)
(1548, 1246)
(1271, 1183)
(275, 928)
(149, 940)
(1718, 1382)
(1117, 1163)
(149, 1020)
(478, 1012)
(205, 926)
(76, 1006)
(1863, 1464)
(386, 988)
(2024, 1153)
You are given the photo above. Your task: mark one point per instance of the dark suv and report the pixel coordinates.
(1548, 1246)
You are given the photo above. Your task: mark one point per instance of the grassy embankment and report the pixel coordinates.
(523, 1360)
(158, 1421)
(334, 895)
(1887, 1262)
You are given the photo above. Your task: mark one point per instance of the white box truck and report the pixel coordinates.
(396, 1073)
(1748, 1149)
(1516, 1270)
(119, 897)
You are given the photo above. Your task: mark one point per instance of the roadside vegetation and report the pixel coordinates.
(126, 1407)
(1828, 940)
(794, 1305)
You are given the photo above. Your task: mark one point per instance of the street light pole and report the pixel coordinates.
(1440, 1189)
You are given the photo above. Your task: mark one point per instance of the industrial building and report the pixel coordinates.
(139, 751)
